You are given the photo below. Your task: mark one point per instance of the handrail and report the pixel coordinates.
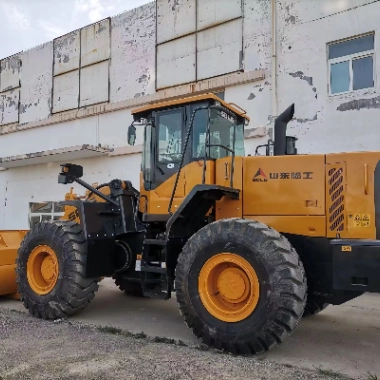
(242, 109)
(207, 137)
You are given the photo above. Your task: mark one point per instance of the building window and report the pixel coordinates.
(351, 64)
(39, 212)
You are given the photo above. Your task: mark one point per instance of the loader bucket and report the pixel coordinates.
(9, 243)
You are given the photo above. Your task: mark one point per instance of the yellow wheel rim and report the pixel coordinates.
(42, 269)
(228, 287)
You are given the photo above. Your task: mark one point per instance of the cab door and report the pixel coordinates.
(169, 137)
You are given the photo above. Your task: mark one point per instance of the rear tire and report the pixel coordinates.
(132, 289)
(314, 306)
(280, 274)
(71, 291)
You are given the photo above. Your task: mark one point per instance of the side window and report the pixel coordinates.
(39, 212)
(351, 64)
(221, 135)
(170, 136)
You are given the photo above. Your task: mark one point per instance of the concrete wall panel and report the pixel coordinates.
(176, 62)
(10, 71)
(110, 129)
(175, 18)
(324, 123)
(95, 43)
(213, 12)
(66, 91)
(9, 106)
(94, 84)
(132, 71)
(257, 36)
(220, 50)
(67, 52)
(55, 137)
(37, 81)
(300, 11)
(113, 129)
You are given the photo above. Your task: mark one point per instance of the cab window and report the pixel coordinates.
(170, 136)
(222, 131)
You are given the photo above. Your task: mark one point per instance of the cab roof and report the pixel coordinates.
(191, 99)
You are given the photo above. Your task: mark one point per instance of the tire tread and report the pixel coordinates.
(287, 267)
(77, 291)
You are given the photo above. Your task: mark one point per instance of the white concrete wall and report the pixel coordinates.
(305, 27)
(303, 30)
(39, 183)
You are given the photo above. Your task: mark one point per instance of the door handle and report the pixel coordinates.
(226, 170)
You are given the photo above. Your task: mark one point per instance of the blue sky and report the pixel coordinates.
(27, 23)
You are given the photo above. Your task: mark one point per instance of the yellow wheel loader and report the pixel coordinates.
(249, 244)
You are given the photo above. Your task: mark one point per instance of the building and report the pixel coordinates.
(70, 99)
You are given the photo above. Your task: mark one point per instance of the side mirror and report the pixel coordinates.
(131, 134)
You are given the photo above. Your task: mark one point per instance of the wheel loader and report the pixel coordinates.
(248, 244)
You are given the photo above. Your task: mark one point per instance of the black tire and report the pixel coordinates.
(282, 286)
(133, 289)
(72, 291)
(313, 306)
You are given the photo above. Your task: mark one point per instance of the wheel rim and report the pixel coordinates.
(42, 269)
(228, 287)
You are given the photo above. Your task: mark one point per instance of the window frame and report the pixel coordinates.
(52, 213)
(181, 110)
(238, 122)
(350, 58)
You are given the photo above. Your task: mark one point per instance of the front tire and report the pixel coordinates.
(240, 286)
(50, 270)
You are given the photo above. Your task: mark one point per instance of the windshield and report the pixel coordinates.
(223, 130)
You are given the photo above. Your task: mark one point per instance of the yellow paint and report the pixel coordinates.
(9, 243)
(292, 185)
(359, 168)
(226, 207)
(8, 284)
(311, 195)
(301, 225)
(42, 269)
(228, 287)
(191, 175)
(191, 99)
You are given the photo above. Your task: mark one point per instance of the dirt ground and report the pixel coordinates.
(35, 349)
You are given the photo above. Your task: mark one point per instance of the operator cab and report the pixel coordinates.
(180, 132)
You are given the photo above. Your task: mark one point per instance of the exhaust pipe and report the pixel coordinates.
(280, 125)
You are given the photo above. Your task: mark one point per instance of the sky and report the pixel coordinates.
(28, 23)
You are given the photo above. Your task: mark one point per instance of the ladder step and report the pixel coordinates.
(155, 281)
(154, 294)
(151, 269)
(154, 242)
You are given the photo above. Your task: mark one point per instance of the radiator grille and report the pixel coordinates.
(336, 199)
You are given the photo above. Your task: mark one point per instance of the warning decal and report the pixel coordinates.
(361, 220)
(357, 220)
(366, 220)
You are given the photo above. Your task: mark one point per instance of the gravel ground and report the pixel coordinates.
(35, 349)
